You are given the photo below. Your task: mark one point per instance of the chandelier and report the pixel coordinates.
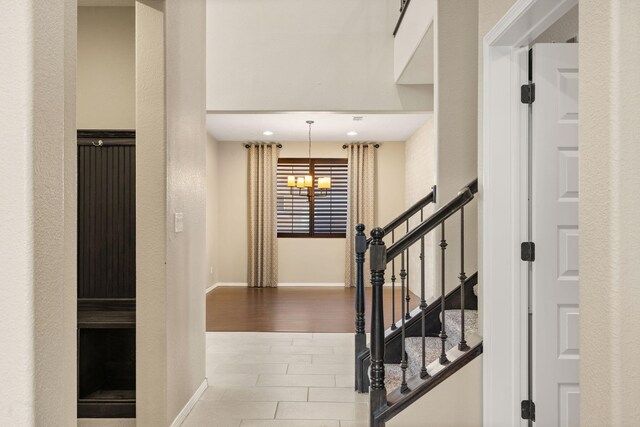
(305, 184)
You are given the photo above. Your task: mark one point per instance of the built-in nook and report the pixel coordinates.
(106, 226)
(106, 372)
(106, 274)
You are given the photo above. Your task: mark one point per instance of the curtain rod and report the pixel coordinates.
(249, 145)
(374, 146)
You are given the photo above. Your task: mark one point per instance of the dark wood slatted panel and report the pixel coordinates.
(106, 220)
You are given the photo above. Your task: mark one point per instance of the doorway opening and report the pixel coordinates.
(513, 176)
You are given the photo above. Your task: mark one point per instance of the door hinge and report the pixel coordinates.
(528, 251)
(528, 93)
(528, 410)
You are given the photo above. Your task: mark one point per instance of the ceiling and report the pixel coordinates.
(327, 127)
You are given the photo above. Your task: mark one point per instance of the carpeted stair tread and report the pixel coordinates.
(433, 347)
(413, 347)
(452, 324)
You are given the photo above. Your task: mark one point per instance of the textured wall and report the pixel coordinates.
(171, 175)
(16, 247)
(37, 348)
(323, 261)
(456, 128)
(420, 176)
(106, 94)
(339, 54)
(609, 212)
(186, 193)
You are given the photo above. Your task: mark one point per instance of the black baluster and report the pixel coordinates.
(408, 295)
(443, 333)
(462, 346)
(393, 286)
(403, 361)
(360, 336)
(423, 304)
(377, 390)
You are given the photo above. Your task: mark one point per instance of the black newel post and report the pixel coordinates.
(377, 392)
(361, 338)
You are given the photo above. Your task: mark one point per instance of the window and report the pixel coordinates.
(319, 216)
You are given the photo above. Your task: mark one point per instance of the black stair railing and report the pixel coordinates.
(361, 246)
(381, 256)
(404, 4)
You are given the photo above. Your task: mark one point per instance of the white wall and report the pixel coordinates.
(186, 193)
(323, 260)
(302, 55)
(562, 30)
(170, 148)
(420, 176)
(447, 148)
(609, 212)
(106, 68)
(37, 254)
(456, 47)
(410, 35)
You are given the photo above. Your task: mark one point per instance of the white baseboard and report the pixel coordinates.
(282, 285)
(230, 284)
(177, 422)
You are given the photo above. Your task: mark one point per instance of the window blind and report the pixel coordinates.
(321, 215)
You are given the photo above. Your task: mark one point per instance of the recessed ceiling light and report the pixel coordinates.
(352, 133)
(267, 133)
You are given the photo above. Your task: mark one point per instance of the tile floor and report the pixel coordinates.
(264, 379)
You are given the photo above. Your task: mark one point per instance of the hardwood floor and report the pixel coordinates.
(295, 309)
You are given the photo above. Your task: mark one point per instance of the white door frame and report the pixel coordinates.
(504, 206)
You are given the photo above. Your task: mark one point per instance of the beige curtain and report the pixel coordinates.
(262, 270)
(362, 161)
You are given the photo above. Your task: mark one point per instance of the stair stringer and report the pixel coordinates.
(452, 397)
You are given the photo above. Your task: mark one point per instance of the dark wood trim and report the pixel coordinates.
(104, 142)
(98, 313)
(400, 219)
(312, 236)
(397, 402)
(401, 18)
(102, 138)
(465, 196)
(106, 133)
(102, 409)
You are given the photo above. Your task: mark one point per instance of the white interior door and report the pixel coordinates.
(554, 229)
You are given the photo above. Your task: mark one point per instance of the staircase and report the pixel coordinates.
(421, 348)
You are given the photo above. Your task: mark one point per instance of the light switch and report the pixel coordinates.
(179, 222)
